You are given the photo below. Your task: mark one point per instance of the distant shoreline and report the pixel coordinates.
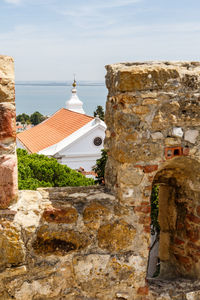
(59, 83)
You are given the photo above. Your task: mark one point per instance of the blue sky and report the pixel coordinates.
(53, 39)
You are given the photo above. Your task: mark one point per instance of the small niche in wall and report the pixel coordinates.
(171, 152)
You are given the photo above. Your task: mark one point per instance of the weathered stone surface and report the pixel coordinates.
(6, 67)
(157, 136)
(91, 266)
(11, 272)
(130, 176)
(7, 90)
(8, 180)
(116, 267)
(177, 131)
(7, 121)
(191, 136)
(138, 77)
(58, 241)
(12, 249)
(116, 236)
(8, 164)
(61, 215)
(30, 207)
(94, 214)
(164, 149)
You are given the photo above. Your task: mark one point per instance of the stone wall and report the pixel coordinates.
(8, 162)
(153, 119)
(77, 244)
(68, 243)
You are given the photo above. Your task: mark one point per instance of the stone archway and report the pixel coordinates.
(179, 218)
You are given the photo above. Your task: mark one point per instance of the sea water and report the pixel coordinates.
(48, 97)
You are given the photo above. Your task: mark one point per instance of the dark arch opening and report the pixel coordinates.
(178, 246)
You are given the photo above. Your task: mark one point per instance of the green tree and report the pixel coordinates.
(36, 118)
(100, 112)
(36, 170)
(23, 118)
(99, 168)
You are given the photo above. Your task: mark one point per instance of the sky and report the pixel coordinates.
(53, 39)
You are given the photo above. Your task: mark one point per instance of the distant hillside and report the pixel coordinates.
(59, 83)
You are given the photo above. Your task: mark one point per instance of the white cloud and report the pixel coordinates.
(116, 3)
(91, 34)
(95, 8)
(44, 55)
(98, 15)
(13, 1)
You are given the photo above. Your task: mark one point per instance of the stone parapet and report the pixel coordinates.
(8, 160)
(68, 243)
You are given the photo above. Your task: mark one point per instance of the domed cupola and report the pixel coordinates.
(74, 103)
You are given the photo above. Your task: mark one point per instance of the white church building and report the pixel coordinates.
(69, 135)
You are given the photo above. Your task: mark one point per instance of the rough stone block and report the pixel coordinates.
(8, 180)
(7, 90)
(177, 131)
(157, 135)
(12, 249)
(129, 176)
(6, 67)
(7, 121)
(55, 240)
(94, 214)
(139, 77)
(191, 136)
(90, 266)
(116, 236)
(61, 215)
(7, 87)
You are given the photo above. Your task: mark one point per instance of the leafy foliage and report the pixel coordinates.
(23, 118)
(100, 112)
(155, 209)
(99, 168)
(36, 118)
(36, 170)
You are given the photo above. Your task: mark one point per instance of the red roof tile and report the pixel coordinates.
(53, 130)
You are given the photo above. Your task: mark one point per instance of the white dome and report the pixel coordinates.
(74, 103)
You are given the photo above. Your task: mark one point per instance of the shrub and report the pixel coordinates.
(36, 170)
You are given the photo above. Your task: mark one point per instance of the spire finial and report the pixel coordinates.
(74, 83)
(74, 103)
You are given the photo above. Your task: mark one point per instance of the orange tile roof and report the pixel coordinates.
(53, 130)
